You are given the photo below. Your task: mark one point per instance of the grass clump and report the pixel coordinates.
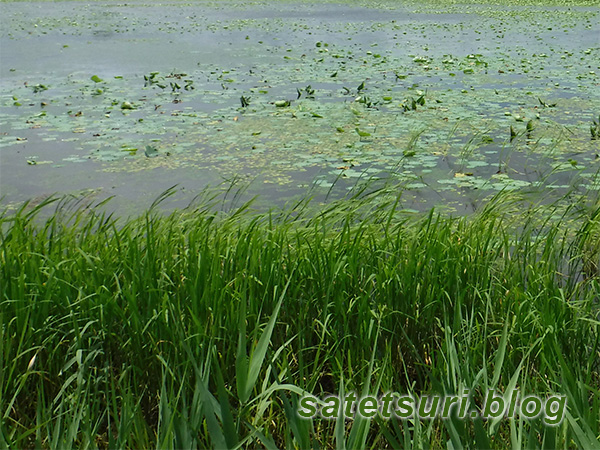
(202, 328)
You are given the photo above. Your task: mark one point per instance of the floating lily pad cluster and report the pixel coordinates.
(433, 99)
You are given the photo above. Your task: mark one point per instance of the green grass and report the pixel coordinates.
(202, 328)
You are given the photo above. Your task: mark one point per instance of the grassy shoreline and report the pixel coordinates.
(202, 328)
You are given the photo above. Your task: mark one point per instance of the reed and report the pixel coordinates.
(202, 328)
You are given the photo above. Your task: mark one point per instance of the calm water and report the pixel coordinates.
(420, 97)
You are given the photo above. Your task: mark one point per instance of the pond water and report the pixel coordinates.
(453, 104)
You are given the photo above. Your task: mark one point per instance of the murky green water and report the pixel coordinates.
(128, 99)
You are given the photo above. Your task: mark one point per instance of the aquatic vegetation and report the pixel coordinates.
(595, 129)
(245, 101)
(204, 327)
(456, 70)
